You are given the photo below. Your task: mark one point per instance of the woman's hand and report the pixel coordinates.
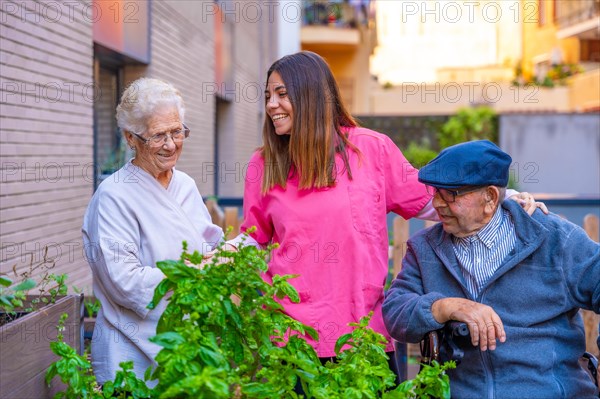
(207, 257)
(529, 203)
(206, 260)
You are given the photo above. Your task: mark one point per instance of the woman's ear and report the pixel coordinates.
(129, 138)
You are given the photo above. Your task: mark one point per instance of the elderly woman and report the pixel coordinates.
(137, 217)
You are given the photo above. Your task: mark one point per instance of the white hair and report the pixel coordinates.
(141, 99)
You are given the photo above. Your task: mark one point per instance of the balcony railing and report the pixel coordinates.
(339, 14)
(572, 12)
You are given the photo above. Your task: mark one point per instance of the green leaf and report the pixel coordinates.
(177, 270)
(148, 373)
(291, 292)
(257, 389)
(6, 302)
(5, 281)
(210, 357)
(108, 389)
(25, 285)
(341, 341)
(311, 332)
(160, 291)
(51, 373)
(168, 340)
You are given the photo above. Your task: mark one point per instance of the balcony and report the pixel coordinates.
(578, 18)
(332, 23)
(313, 35)
(584, 95)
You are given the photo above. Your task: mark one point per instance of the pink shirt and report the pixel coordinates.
(336, 238)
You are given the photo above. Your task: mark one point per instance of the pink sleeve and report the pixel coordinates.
(405, 195)
(254, 209)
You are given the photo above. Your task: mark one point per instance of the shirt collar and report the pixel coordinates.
(487, 235)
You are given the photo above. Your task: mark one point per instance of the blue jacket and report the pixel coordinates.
(553, 271)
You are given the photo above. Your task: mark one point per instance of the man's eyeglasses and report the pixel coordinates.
(158, 140)
(450, 195)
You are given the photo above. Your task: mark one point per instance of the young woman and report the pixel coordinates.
(321, 187)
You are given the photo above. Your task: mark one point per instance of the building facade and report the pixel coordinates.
(561, 44)
(63, 67)
(446, 41)
(343, 32)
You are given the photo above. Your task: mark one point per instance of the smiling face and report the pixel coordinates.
(468, 214)
(158, 161)
(278, 106)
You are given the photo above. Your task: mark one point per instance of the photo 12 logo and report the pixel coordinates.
(69, 11)
(15, 92)
(468, 11)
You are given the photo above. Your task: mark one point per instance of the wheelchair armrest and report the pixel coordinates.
(445, 344)
(592, 365)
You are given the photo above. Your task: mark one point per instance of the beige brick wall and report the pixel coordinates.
(46, 125)
(245, 112)
(47, 134)
(183, 53)
(180, 55)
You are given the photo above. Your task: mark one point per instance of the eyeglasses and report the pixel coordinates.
(450, 195)
(158, 140)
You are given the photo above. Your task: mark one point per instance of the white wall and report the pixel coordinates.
(554, 153)
(289, 17)
(415, 38)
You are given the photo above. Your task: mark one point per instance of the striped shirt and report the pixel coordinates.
(481, 254)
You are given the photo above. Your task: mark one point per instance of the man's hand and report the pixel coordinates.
(529, 203)
(484, 324)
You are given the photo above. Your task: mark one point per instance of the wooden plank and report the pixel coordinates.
(401, 234)
(216, 213)
(590, 322)
(25, 351)
(590, 319)
(231, 219)
(32, 389)
(592, 226)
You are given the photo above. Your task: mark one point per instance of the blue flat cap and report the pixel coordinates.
(475, 163)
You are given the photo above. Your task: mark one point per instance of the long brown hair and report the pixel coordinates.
(316, 136)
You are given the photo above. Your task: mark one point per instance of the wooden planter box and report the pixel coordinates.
(25, 353)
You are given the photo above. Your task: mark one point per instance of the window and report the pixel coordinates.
(109, 148)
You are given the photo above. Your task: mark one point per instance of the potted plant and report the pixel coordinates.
(28, 325)
(224, 335)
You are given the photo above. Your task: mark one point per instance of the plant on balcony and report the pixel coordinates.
(559, 73)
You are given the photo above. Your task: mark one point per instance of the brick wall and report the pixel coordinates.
(47, 113)
(183, 53)
(245, 111)
(46, 134)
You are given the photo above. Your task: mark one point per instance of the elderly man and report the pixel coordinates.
(516, 281)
